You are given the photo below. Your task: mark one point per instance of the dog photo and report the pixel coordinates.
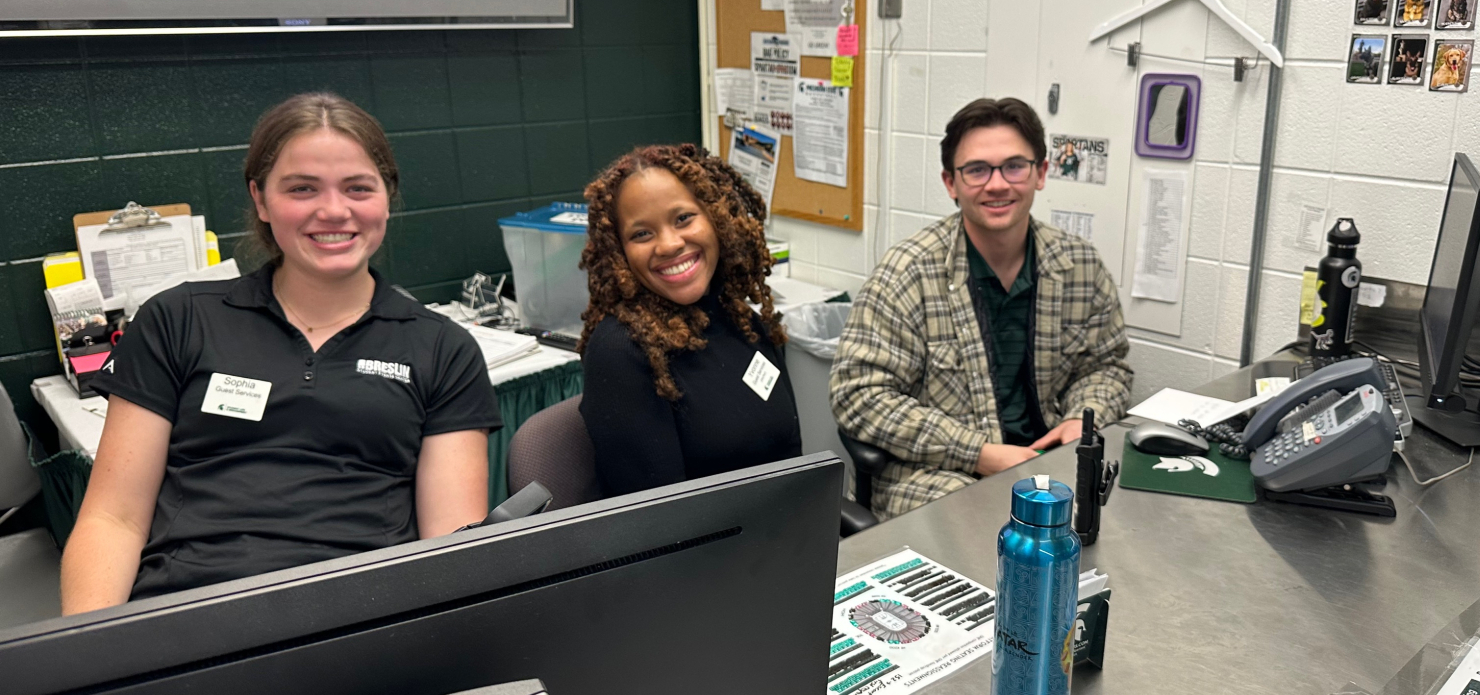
(1455, 14)
(1412, 13)
(1373, 12)
(1405, 64)
(1364, 64)
(1451, 72)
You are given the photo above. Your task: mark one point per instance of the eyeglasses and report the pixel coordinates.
(1015, 170)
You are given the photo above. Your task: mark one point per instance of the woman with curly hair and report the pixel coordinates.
(683, 378)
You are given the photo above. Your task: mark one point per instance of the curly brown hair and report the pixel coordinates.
(658, 325)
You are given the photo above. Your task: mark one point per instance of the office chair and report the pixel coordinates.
(552, 447)
(868, 461)
(30, 564)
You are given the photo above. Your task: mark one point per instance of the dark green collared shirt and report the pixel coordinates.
(1010, 310)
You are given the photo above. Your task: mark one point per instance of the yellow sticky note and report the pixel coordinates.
(842, 71)
(1308, 298)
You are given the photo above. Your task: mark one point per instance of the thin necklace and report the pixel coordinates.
(336, 322)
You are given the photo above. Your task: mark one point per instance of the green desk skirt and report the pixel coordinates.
(518, 400)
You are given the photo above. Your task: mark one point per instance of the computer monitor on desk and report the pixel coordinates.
(1448, 314)
(719, 585)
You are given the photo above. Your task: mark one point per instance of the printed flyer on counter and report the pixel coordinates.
(904, 622)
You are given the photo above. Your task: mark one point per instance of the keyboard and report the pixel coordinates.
(1392, 391)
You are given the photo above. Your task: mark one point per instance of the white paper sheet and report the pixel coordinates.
(754, 151)
(502, 347)
(1159, 258)
(822, 132)
(932, 642)
(1371, 294)
(776, 5)
(130, 259)
(1171, 406)
(1080, 224)
(1310, 229)
(816, 21)
(734, 88)
(225, 270)
(1466, 677)
(775, 63)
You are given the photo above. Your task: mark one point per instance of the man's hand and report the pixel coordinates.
(996, 458)
(1068, 431)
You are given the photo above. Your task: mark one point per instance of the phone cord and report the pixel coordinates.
(1229, 440)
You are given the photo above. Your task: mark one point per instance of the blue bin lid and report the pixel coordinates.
(563, 218)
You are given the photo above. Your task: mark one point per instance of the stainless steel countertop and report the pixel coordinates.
(1217, 597)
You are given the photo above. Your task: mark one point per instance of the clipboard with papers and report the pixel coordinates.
(138, 247)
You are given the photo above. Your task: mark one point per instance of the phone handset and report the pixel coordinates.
(1342, 377)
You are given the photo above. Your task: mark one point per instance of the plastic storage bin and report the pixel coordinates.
(544, 247)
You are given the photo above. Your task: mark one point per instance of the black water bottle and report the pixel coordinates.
(1337, 279)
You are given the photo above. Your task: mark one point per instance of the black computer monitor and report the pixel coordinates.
(718, 585)
(1449, 308)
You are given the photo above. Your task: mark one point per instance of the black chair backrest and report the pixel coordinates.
(553, 448)
(868, 461)
(18, 480)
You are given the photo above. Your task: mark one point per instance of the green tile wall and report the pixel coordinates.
(484, 124)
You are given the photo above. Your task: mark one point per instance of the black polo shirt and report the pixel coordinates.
(329, 468)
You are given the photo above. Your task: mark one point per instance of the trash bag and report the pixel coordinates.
(815, 328)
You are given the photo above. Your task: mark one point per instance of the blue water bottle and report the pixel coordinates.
(1037, 589)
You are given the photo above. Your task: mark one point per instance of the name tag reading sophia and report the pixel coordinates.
(236, 396)
(761, 376)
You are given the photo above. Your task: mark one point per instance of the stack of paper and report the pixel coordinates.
(502, 347)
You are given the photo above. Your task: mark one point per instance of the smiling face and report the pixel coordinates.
(326, 203)
(667, 237)
(996, 206)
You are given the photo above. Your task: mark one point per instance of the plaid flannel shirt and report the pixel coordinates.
(912, 374)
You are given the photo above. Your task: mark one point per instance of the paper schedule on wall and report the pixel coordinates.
(821, 132)
(1159, 263)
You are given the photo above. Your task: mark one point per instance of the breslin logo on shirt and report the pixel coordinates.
(389, 370)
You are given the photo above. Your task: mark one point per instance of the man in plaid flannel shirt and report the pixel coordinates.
(983, 337)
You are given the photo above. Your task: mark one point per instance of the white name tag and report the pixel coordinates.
(761, 376)
(236, 396)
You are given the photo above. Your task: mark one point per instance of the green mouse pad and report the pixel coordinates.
(1214, 476)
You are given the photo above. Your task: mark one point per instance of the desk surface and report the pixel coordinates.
(1216, 597)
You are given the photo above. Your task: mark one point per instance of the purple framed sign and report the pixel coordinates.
(1166, 123)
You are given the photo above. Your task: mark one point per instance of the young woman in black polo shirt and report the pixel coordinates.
(303, 412)
(683, 378)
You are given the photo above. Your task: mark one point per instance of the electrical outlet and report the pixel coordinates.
(891, 9)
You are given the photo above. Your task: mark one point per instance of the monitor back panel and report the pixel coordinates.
(725, 590)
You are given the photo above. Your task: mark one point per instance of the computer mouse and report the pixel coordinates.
(1165, 440)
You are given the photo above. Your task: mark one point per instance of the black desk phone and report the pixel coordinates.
(1326, 432)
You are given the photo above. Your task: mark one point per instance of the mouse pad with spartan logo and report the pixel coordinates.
(1213, 476)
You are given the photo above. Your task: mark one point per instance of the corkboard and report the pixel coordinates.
(794, 197)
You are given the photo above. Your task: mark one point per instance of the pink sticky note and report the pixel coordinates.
(848, 40)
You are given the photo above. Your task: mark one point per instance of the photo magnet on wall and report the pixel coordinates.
(1412, 13)
(1372, 12)
(1405, 65)
(1451, 72)
(1455, 14)
(1075, 158)
(1364, 63)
